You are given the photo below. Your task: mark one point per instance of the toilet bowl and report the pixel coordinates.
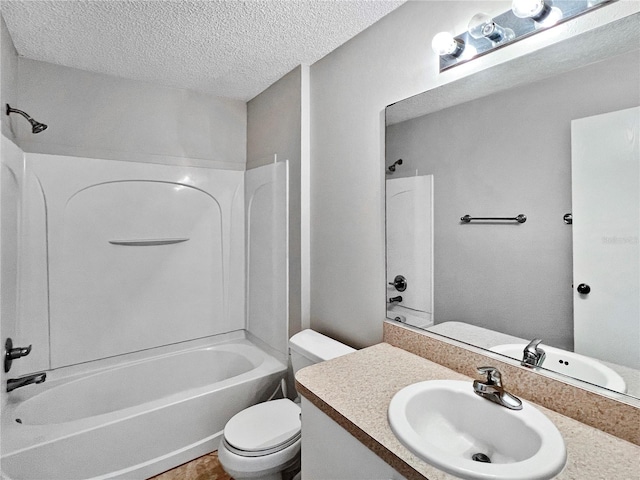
(263, 441)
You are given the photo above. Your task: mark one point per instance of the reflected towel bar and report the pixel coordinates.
(520, 218)
(148, 243)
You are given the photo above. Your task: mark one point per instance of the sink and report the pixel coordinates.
(572, 364)
(446, 424)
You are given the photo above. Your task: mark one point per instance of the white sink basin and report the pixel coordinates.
(569, 363)
(445, 423)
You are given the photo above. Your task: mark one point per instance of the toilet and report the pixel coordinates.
(263, 441)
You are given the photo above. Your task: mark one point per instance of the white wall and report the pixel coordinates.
(102, 116)
(8, 76)
(350, 88)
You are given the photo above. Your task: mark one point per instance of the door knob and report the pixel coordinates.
(583, 289)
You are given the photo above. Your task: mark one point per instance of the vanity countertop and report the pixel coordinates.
(355, 391)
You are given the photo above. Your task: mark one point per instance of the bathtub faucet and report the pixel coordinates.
(24, 380)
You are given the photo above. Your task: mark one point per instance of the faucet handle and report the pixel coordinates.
(11, 353)
(533, 344)
(494, 377)
(533, 355)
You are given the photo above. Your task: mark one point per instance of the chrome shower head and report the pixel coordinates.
(392, 167)
(36, 127)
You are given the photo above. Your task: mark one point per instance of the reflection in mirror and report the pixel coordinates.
(497, 284)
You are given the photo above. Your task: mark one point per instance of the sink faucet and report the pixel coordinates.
(25, 380)
(492, 389)
(533, 355)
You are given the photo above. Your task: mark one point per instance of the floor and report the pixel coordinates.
(206, 467)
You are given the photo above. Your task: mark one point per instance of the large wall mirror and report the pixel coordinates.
(553, 136)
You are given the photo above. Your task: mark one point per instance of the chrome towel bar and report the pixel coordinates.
(520, 218)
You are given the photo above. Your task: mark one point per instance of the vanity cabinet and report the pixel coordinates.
(329, 451)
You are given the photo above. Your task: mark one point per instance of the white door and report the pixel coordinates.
(409, 226)
(606, 230)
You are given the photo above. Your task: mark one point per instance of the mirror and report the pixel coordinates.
(498, 144)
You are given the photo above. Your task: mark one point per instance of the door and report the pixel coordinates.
(606, 228)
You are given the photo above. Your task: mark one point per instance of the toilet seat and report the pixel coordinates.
(263, 429)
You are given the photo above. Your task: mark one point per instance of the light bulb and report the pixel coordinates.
(553, 17)
(477, 23)
(444, 44)
(535, 9)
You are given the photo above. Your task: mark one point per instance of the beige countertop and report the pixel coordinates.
(355, 391)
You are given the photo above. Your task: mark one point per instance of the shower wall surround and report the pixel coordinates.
(266, 224)
(137, 256)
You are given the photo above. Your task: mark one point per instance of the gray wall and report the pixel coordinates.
(8, 77)
(102, 116)
(350, 89)
(503, 155)
(274, 125)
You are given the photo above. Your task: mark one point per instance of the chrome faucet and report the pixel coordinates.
(493, 391)
(25, 380)
(533, 355)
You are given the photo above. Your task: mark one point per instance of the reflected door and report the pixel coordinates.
(606, 230)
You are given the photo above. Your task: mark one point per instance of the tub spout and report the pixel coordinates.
(14, 383)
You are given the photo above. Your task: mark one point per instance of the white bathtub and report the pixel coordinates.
(135, 419)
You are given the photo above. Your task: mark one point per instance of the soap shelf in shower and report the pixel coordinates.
(148, 243)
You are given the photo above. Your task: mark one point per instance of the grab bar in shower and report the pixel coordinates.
(148, 243)
(520, 218)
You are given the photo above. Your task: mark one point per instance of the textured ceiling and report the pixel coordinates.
(226, 48)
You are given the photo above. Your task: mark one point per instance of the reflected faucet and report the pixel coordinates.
(493, 390)
(25, 380)
(533, 355)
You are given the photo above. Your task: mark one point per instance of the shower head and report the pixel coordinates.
(392, 167)
(36, 127)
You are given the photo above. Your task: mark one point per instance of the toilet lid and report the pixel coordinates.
(265, 426)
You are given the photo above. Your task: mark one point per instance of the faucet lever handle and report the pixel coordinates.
(494, 377)
(533, 344)
(12, 353)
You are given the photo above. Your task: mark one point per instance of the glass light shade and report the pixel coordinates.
(443, 43)
(535, 9)
(478, 23)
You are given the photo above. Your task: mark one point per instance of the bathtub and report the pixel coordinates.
(135, 418)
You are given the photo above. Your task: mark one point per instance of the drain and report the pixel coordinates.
(481, 457)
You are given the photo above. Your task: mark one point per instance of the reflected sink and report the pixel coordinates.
(569, 363)
(446, 424)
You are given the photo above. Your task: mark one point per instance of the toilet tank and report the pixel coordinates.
(309, 347)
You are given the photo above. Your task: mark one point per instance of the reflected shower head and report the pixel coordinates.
(36, 127)
(392, 167)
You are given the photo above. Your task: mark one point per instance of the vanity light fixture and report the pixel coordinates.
(526, 18)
